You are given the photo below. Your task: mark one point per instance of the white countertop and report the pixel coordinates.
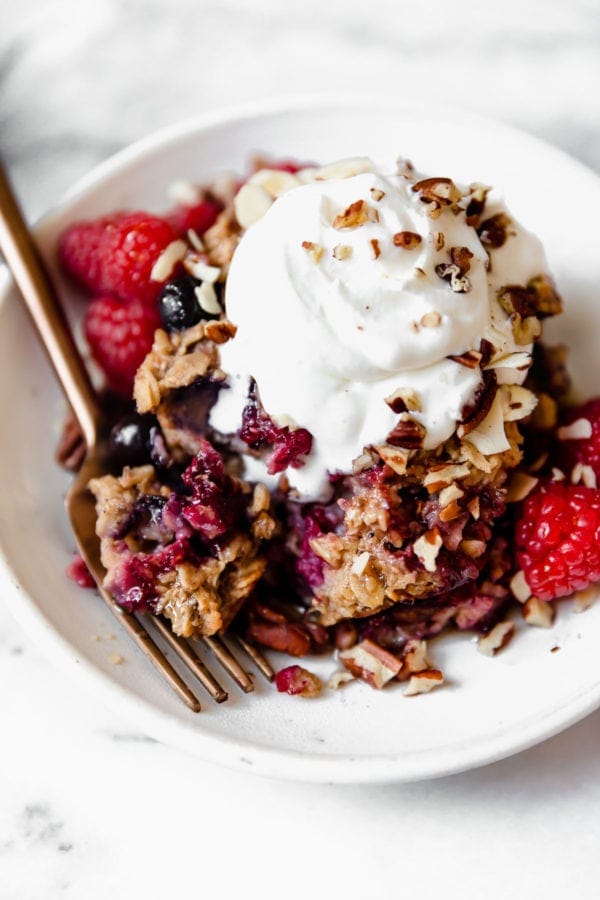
(89, 808)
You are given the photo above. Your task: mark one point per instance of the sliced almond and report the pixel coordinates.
(579, 430)
(496, 639)
(365, 461)
(250, 204)
(517, 402)
(184, 192)
(344, 168)
(537, 612)
(583, 474)
(423, 682)
(207, 298)
(489, 436)
(168, 259)
(274, 181)
(431, 319)
(200, 269)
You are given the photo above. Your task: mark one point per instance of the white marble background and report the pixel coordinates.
(78, 80)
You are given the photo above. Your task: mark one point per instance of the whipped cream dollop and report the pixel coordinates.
(345, 292)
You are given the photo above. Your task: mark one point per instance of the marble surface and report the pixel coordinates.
(91, 808)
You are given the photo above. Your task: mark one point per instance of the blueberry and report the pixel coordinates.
(178, 305)
(133, 438)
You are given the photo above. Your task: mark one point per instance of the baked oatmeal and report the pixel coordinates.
(347, 431)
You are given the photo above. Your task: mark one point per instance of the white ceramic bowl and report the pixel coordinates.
(491, 707)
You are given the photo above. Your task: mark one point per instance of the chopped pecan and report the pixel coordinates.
(470, 359)
(493, 231)
(423, 682)
(451, 273)
(354, 215)
(408, 240)
(438, 190)
(547, 300)
(461, 257)
(286, 637)
(408, 434)
(370, 662)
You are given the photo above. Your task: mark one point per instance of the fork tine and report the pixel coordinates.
(257, 658)
(140, 636)
(192, 661)
(229, 663)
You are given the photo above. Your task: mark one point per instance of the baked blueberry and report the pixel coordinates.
(178, 305)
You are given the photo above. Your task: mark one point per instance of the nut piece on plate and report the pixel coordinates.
(423, 682)
(496, 639)
(539, 613)
(370, 662)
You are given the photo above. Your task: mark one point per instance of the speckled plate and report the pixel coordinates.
(490, 708)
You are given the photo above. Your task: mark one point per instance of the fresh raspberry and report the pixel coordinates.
(119, 336)
(281, 165)
(198, 217)
(79, 251)
(582, 450)
(115, 255)
(558, 539)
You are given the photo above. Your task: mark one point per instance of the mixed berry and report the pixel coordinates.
(187, 537)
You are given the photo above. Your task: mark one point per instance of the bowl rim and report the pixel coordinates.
(238, 753)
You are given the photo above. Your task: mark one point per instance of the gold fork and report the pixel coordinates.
(39, 295)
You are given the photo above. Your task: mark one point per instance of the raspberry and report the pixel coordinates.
(558, 539)
(119, 337)
(259, 430)
(115, 255)
(78, 572)
(199, 217)
(296, 680)
(79, 251)
(584, 450)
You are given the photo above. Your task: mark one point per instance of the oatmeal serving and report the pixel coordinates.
(344, 431)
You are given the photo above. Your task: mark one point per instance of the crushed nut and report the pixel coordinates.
(526, 331)
(414, 659)
(470, 359)
(371, 663)
(315, 251)
(460, 284)
(393, 457)
(377, 194)
(489, 436)
(341, 251)
(474, 549)
(449, 494)
(431, 319)
(404, 400)
(438, 240)
(496, 639)
(427, 547)
(438, 190)
(519, 587)
(443, 475)
(494, 231)
(423, 682)
(408, 240)
(408, 433)
(353, 216)
(361, 564)
(537, 612)
(375, 248)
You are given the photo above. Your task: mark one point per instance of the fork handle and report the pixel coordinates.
(36, 288)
